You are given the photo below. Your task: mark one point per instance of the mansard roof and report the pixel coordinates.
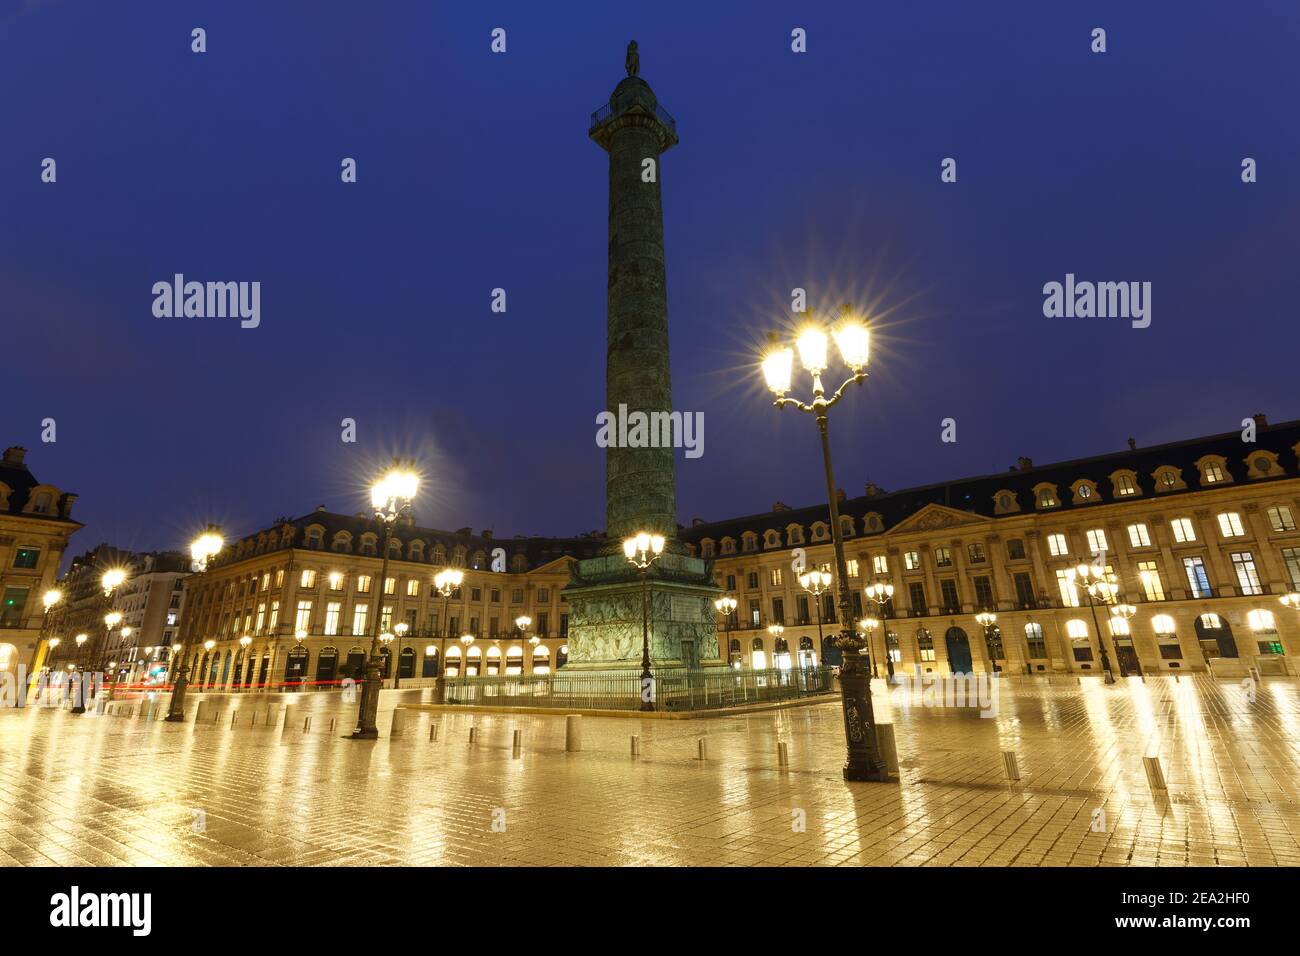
(976, 496)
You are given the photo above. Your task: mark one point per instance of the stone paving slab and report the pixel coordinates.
(124, 791)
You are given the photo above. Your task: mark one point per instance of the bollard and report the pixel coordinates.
(233, 715)
(1155, 774)
(333, 722)
(433, 731)
(782, 754)
(253, 721)
(518, 739)
(198, 711)
(473, 734)
(306, 725)
(888, 746)
(636, 745)
(395, 730)
(702, 749)
(573, 732)
(1011, 765)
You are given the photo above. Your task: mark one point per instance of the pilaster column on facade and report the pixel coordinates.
(995, 554)
(1224, 582)
(931, 579)
(1034, 545)
(1125, 565)
(961, 567)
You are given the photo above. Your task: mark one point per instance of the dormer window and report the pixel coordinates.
(794, 534)
(1045, 495)
(749, 541)
(706, 548)
(1124, 484)
(772, 539)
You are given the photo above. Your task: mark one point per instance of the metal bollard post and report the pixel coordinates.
(306, 725)
(573, 732)
(333, 722)
(1011, 765)
(702, 749)
(433, 731)
(253, 721)
(1155, 774)
(395, 730)
(233, 715)
(782, 754)
(888, 746)
(636, 745)
(518, 740)
(473, 734)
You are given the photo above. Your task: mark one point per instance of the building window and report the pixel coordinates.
(363, 584)
(1230, 525)
(916, 596)
(983, 592)
(1243, 563)
(924, 645)
(912, 560)
(1183, 530)
(26, 558)
(1279, 519)
(1079, 643)
(1015, 549)
(778, 611)
(1056, 545)
(774, 577)
(1069, 593)
(1166, 637)
(948, 590)
(1291, 558)
(880, 564)
(1047, 498)
(731, 582)
(1034, 639)
(359, 615)
(261, 618)
(1149, 575)
(332, 612)
(1024, 589)
(1097, 541)
(390, 585)
(1213, 473)
(751, 580)
(543, 595)
(976, 552)
(303, 620)
(1197, 580)
(274, 621)
(942, 558)
(308, 579)
(1139, 536)
(413, 587)
(11, 612)
(1124, 486)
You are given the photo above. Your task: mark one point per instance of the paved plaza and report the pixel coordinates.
(118, 790)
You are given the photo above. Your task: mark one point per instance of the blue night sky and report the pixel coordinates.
(818, 170)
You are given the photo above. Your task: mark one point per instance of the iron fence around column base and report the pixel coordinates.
(675, 689)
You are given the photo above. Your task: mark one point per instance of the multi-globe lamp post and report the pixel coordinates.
(880, 594)
(522, 623)
(390, 498)
(641, 551)
(989, 622)
(776, 630)
(202, 550)
(851, 338)
(400, 630)
(446, 582)
(726, 606)
(816, 583)
(1099, 588)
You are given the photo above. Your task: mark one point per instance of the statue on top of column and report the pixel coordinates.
(633, 63)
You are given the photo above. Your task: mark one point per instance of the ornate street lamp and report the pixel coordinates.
(816, 583)
(641, 551)
(446, 582)
(851, 337)
(726, 606)
(776, 630)
(1100, 589)
(202, 550)
(988, 621)
(400, 630)
(390, 497)
(1120, 615)
(246, 671)
(881, 593)
(1291, 599)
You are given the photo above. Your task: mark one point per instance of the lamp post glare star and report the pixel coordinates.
(852, 339)
(1099, 587)
(641, 551)
(202, 550)
(881, 594)
(446, 582)
(726, 606)
(390, 497)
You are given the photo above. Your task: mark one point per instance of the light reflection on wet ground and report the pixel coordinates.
(115, 790)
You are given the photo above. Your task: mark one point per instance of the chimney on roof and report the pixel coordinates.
(840, 495)
(696, 522)
(14, 455)
(1025, 463)
(1260, 422)
(487, 534)
(780, 506)
(871, 489)
(1132, 444)
(320, 508)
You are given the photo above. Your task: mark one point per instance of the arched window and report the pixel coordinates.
(924, 646)
(385, 663)
(807, 653)
(1034, 641)
(1166, 637)
(1264, 627)
(355, 667)
(342, 543)
(453, 661)
(1080, 646)
(473, 661)
(430, 667)
(406, 663)
(327, 664)
(494, 660)
(1214, 636)
(514, 660)
(758, 659)
(295, 666)
(541, 659)
(562, 656)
